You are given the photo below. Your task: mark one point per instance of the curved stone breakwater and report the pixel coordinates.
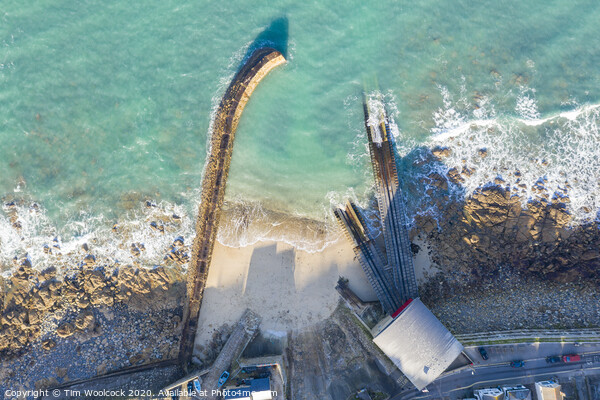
(260, 63)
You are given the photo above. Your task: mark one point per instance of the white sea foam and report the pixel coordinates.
(571, 115)
(242, 224)
(45, 244)
(443, 135)
(447, 118)
(533, 155)
(35, 230)
(526, 106)
(376, 109)
(536, 157)
(245, 223)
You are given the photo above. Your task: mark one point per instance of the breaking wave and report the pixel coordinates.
(537, 158)
(145, 236)
(246, 223)
(545, 158)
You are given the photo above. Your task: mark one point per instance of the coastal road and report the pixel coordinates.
(497, 371)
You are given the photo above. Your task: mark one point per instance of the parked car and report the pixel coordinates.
(517, 364)
(483, 353)
(223, 378)
(197, 385)
(553, 359)
(571, 358)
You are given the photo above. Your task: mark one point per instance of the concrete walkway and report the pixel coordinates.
(242, 334)
(530, 335)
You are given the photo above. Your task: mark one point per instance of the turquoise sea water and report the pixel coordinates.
(107, 104)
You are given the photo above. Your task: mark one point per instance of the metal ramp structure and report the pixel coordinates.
(411, 336)
(369, 257)
(390, 272)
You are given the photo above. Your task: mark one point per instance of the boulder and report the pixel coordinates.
(89, 260)
(441, 152)
(48, 344)
(85, 320)
(65, 330)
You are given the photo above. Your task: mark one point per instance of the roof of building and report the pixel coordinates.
(518, 394)
(418, 343)
(548, 390)
(550, 384)
(489, 394)
(260, 385)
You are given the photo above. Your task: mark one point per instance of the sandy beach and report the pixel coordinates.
(290, 289)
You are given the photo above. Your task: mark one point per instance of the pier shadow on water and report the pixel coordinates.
(275, 36)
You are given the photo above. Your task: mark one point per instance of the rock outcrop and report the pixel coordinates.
(492, 227)
(29, 298)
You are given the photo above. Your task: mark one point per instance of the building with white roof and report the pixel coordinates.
(418, 344)
(548, 390)
(489, 394)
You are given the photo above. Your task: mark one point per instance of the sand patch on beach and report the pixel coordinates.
(424, 267)
(288, 288)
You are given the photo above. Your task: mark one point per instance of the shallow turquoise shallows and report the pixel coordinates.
(106, 104)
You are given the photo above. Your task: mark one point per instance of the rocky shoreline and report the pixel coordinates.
(97, 320)
(502, 266)
(491, 228)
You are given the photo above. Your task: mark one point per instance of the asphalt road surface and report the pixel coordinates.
(497, 370)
